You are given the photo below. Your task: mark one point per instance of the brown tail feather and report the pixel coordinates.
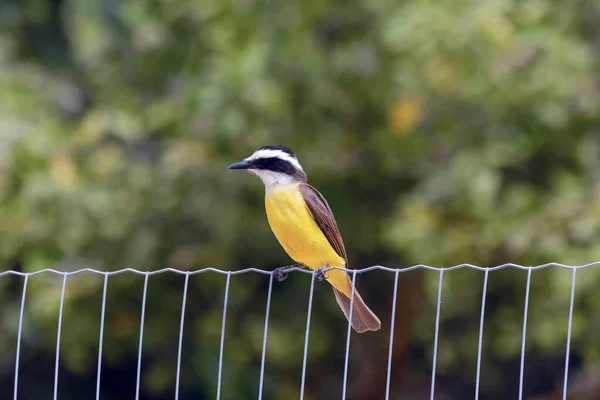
(363, 318)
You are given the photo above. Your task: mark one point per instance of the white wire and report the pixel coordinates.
(264, 349)
(101, 340)
(223, 335)
(524, 335)
(267, 272)
(19, 335)
(146, 275)
(58, 335)
(480, 341)
(139, 365)
(349, 333)
(389, 368)
(567, 353)
(185, 289)
(305, 358)
(437, 331)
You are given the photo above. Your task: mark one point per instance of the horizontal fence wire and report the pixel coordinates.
(298, 269)
(353, 273)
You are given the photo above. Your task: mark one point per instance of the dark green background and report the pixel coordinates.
(440, 132)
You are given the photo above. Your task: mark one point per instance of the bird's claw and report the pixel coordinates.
(320, 273)
(279, 274)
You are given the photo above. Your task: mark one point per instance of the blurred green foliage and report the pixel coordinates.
(440, 132)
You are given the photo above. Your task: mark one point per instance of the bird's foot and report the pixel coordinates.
(281, 273)
(320, 273)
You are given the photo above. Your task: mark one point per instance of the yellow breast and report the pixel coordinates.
(293, 225)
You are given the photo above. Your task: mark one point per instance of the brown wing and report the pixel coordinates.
(324, 217)
(363, 319)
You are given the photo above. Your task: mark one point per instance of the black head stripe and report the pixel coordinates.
(274, 164)
(286, 150)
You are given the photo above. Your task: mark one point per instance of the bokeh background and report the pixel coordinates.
(441, 132)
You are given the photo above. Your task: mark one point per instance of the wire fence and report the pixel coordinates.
(353, 273)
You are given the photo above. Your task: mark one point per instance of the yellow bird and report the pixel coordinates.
(304, 224)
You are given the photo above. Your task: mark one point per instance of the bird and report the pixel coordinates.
(304, 225)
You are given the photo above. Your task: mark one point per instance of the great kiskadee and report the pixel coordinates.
(303, 223)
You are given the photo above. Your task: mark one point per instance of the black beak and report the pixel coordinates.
(240, 165)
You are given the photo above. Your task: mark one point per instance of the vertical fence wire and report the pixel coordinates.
(305, 357)
(180, 345)
(101, 340)
(480, 341)
(225, 300)
(392, 324)
(141, 340)
(19, 334)
(58, 335)
(437, 331)
(264, 345)
(567, 353)
(524, 334)
(348, 336)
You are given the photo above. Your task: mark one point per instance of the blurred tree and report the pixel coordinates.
(440, 133)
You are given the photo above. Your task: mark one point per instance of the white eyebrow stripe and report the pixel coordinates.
(270, 153)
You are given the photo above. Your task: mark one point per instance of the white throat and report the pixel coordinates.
(272, 179)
